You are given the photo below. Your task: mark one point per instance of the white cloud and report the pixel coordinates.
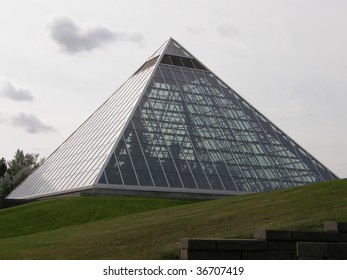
(27, 121)
(73, 38)
(8, 90)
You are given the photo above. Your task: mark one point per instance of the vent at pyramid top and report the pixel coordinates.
(174, 128)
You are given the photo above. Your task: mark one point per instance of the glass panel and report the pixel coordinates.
(129, 177)
(201, 181)
(102, 179)
(144, 178)
(176, 60)
(139, 163)
(159, 179)
(154, 164)
(113, 176)
(174, 180)
(166, 60)
(124, 162)
(188, 180)
(215, 182)
(229, 184)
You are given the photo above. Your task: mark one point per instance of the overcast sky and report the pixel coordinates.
(60, 60)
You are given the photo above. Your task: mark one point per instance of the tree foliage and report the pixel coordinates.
(14, 172)
(3, 167)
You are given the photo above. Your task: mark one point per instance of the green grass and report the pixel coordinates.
(144, 228)
(57, 213)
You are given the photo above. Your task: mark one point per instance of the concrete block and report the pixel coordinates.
(311, 250)
(335, 226)
(266, 234)
(322, 250)
(315, 236)
(209, 255)
(241, 245)
(342, 237)
(182, 254)
(337, 251)
(197, 244)
(267, 255)
(278, 245)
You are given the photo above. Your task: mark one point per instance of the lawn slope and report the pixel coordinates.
(153, 233)
(58, 213)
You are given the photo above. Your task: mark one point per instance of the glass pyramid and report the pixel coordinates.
(175, 127)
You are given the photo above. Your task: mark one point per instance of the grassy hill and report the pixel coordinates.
(149, 228)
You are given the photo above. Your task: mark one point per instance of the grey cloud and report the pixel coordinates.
(7, 89)
(29, 122)
(226, 30)
(73, 38)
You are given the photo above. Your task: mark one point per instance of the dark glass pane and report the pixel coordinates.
(174, 180)
(112, 162)
(137, 113)
(149, 150)
(154, 164)
(175, 150)
(129, 136)
(188, 180)
(129, 177)
(229, 183)
(144, 178)
(196, 167)
(208, 168)
(198, 65)
(182, 166)
(201, 181)
(139, 124)
(176, 60)
(124, 162)
(326, 175)
(102, 179)
(187, 62)
(222, 169)
(121, 150)
(167, 74)
(168, 165)
(113, 176)
(166, 59)
(144, 136)
(159, 179)
(212, 80)
(134, 149)
(215, 183)
(139, 163)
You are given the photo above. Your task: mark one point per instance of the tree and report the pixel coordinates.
(3, 167)
(19, 168)
(21, 161)
(6, 186)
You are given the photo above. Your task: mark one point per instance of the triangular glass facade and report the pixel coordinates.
(175, 126)
(192, 131)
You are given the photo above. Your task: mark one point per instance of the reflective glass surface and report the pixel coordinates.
(77, 163)
(175, 125)
(197, 133)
